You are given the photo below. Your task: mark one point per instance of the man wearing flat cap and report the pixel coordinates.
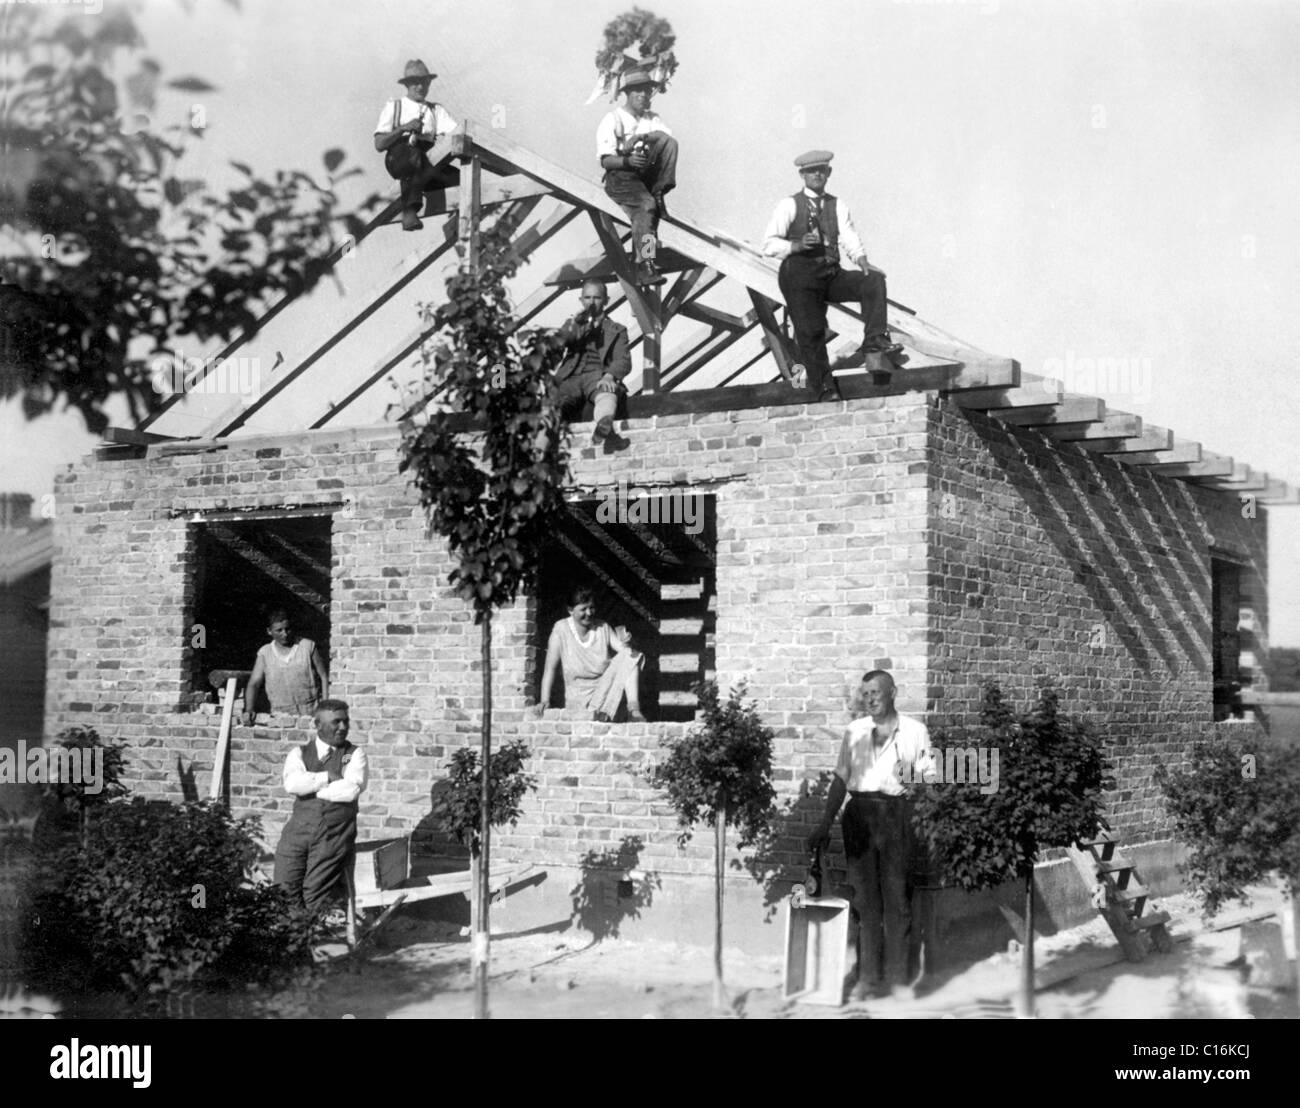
(407, 128)
(808, 232)
(639, 156)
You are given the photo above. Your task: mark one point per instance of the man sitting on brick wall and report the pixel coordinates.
(878, 842)
(325, 775)
(581, 646)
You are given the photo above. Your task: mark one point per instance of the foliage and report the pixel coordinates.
(723, 764)
(1053, 772)
(458, 806)
(653, 37)
(1282, 665)
(497, 505)
(112, 255)
(158, 897)
(73, 797)
(1234, 806)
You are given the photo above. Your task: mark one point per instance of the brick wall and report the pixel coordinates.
(1047, 561)
(820, 574)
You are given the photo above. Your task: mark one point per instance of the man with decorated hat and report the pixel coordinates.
(639, 155)
(809, 231)
(407, 128)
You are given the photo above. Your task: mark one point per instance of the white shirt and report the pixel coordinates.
(864, 770)
(776, 245)
(434, 118)
(607, 132)
(298, 782)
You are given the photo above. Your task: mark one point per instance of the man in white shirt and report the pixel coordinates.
(326, 776)
(639, 155)
(407, 128)
(879, 751)
(809, 231)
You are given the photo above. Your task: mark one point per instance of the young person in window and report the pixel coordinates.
(291, 670)
(600, 666)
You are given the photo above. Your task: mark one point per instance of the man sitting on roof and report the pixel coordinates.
(639, 156)
(595, 372)
(809, 231)
(407, 128)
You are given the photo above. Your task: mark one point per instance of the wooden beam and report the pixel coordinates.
(1147, 441)
(702, 313)
(1213, 467)
(239, 413)
(598, 267)
(471, 211)
(1279, 495)
(129, 436)
(1071, 409)
(1032, 392)
(686, 284)
(783, 349)
(744, 264)
(495, 193)
(522, 247)
(1243, 479)
(728, 338)
(644, 302)
(1177, 454)
(1117, 426)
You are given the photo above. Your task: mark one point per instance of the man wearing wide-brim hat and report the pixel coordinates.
(407, 128)
(809, 231)
(639, 155)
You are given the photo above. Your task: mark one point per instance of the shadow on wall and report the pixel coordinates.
(781, 859)
(612, 889)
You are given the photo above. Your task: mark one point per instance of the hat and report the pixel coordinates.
(416, 70)
(634, 78)
(813, 158)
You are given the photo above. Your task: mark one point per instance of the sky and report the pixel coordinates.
(1059, 182)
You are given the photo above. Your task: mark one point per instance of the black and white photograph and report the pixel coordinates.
(720, 509)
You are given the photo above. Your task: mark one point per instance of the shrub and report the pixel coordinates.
(158, 897)
(458, 805)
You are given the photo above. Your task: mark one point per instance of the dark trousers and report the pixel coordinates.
(635, 190)
(315, 849)
(809, 283)
(575, 391)
(878, 852)
(414, 186)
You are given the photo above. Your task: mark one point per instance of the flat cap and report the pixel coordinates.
(812, 158)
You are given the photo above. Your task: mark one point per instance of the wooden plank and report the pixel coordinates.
(1179, 453)
(522, 247)
(223, 740)
(1243, 479)
(597, 266)
(1071, 409)
(644, 302)
(729, 338)
(1152, 438)
(131, 437)
(783, 349)
(702, 313)
(502, 190)
(1031, 393)
(471, 211)
(1277, 492)
(238, 413)
(701, 277)
(1214, 468)
(1117, 426)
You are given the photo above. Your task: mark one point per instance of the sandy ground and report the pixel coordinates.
(419, 969)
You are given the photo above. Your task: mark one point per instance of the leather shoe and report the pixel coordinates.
(603, 429)
(411, 220)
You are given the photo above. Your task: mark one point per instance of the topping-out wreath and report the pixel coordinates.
(634, 39)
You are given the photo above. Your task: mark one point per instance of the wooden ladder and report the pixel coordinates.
(1120, 897)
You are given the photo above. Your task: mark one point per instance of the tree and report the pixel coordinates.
(1053, 772)
(111, 257)
(459, 806)
(1234, 805)
(490, 461)
(75, 799)
(720, 773)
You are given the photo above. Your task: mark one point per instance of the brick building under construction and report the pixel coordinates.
(955, 521)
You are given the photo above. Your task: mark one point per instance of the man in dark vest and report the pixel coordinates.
(596, 371)
(809, 231)
(325, 775)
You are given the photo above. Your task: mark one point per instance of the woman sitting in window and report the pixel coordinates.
(600, 665)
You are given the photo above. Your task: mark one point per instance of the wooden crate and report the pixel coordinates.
(816, 935)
